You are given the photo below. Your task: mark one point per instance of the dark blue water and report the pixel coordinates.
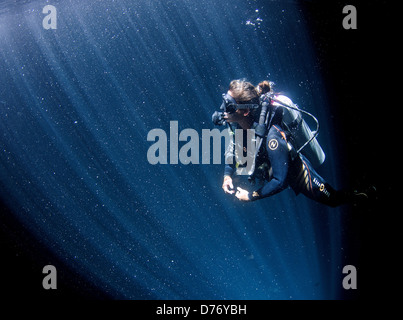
(76, 105)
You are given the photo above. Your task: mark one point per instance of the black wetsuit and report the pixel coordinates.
(280, 166)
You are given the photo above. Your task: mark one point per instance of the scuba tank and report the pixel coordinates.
(302, 137)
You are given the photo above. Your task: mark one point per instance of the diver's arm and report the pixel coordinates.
(227, 182)
(229, 169)
(278, 153)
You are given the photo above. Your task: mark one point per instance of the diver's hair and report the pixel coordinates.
(243, 91)
(265, 87)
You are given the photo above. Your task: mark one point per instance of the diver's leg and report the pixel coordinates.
(354, 197)
(339, 197)
(316, 188)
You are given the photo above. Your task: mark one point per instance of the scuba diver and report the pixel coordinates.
(286, 149)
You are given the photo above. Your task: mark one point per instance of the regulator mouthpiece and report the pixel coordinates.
(218, 118)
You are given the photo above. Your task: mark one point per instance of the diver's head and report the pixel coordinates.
(243, 92)
(240, 104)
(241, 101)
(234, 111)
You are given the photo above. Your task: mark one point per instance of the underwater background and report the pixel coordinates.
(77, 190)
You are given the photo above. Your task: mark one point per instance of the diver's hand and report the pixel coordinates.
(242, 194)
(228, 184)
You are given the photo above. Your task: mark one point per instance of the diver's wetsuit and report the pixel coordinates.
(279, 164)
